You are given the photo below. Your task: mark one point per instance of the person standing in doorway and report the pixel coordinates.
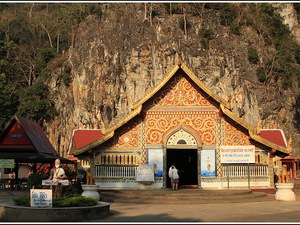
(173, 174)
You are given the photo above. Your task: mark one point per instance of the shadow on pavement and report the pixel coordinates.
(163, 217)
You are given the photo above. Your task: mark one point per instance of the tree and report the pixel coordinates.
(8, 100)
(35, 103)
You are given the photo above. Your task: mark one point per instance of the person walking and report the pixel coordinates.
(173, 174)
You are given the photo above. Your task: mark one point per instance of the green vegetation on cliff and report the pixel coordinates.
(35, 36)
(32, 34)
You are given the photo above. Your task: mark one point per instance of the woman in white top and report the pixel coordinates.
(173, 174)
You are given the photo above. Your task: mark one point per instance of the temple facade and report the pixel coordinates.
(182, 121)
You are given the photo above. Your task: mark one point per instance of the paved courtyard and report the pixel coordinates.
(269, 211)
(244, 212)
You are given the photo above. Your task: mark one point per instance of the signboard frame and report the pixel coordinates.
(237, 154)
(7, 163)
(41, 198)
(144, 173)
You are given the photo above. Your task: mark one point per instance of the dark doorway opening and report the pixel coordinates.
(186, 161)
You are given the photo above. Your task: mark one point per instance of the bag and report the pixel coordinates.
(175, 175)
(170, 173)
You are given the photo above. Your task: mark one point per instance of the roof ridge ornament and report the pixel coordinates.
(289, 146)
(259, 126)
(232, 100)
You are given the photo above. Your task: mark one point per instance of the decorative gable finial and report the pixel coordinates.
(259, 126)
(289, 146)
(232, 99)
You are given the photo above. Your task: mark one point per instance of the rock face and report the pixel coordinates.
(120, 56)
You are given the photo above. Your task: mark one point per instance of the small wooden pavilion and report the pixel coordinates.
(292, 165)
(25, 142)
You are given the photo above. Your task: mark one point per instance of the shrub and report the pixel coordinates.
(22, 201)
(35, 180)
(175, 8)
(227, 14)
(253, 55)
(181, 23)
(297, 53)
(69, 201)
(286, 83)
(44, 55)
(205, 35)
(261, 74)
(235, 29)
(78, 201)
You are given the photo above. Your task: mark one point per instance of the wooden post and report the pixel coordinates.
(295, 170)
(248, 176)
(228, 175)
(16, 174)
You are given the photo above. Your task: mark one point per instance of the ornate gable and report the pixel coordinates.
(181, 99)
(180, 92)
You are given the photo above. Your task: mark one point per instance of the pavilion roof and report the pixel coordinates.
(33, 147)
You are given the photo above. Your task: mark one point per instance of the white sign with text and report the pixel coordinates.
(40, 197)
(237, 154)
(53, 182)
(144, 172)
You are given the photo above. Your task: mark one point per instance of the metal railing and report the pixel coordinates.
(115, 171)
(245, 170)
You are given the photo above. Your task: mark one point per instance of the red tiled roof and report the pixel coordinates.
(33, 135)
(276, 136)
(84, 137)
(33, 143)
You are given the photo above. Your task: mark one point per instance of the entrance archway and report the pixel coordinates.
(182, 150)
(186, 162)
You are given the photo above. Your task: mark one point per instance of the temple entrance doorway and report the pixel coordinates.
(186, 161)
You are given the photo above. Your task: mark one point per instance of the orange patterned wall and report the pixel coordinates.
(233, 136)
(180, 92)
(186, 104)
(127, 136)
(157, 127)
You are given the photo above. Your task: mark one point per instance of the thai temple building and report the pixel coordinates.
(182, 121)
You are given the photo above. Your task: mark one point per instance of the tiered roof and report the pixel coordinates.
(262, 136)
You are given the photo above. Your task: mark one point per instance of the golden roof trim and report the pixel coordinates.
(204, 87)
(268, 143)
(125, 120)
(253, 131)
(156, 89)
(237, 119)
(108, 133)
(192, 76)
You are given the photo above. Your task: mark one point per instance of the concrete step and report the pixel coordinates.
(188, 192)
(183, 196)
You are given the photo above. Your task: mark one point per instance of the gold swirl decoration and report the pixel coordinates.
(237, 139)
(234, 136)
(230, 129)
(128, 137)
(128, 140)
(157, 127)
(180, 92)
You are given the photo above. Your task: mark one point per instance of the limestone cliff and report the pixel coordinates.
(119, 56)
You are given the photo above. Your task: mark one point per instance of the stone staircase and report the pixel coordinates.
(183, 196)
